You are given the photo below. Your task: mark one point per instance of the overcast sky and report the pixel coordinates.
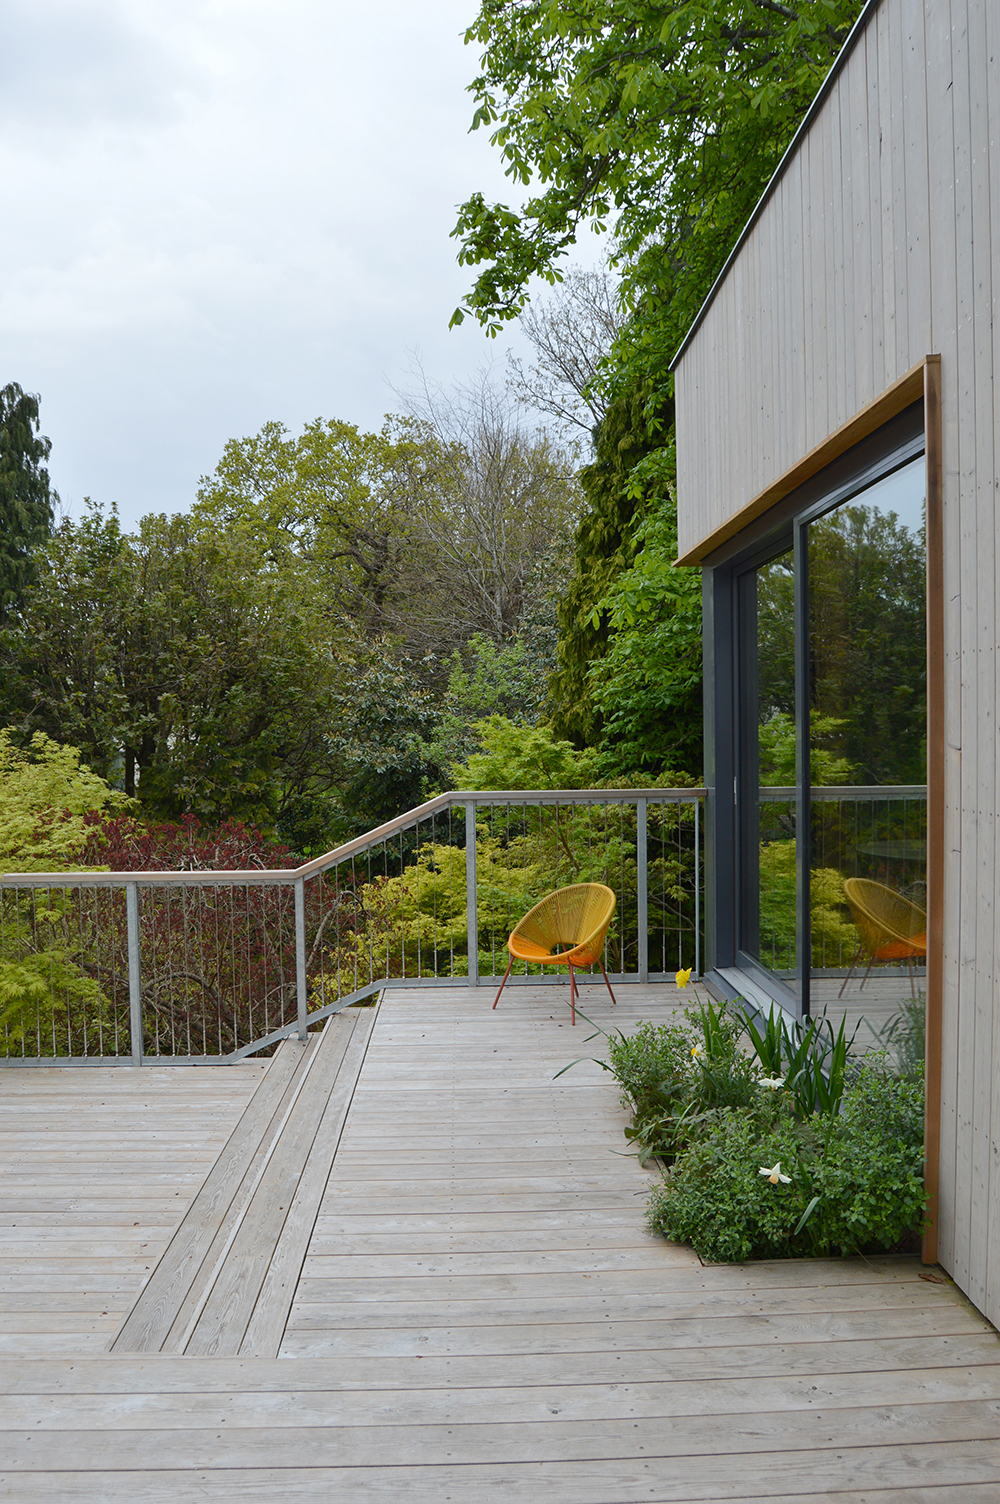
(219, 212)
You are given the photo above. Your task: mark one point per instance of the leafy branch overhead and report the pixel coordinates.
(659, 120)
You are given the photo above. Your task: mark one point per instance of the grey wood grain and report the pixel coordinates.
(149, 1323)
(222, 1320)
(279, 1286)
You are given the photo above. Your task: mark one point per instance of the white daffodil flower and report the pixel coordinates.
(774, 1174)
(697, 1052)
(772, 1081)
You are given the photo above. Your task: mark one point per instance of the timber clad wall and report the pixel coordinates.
(879, 244)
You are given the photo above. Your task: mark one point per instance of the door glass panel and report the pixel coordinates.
(868, 726)
(771, 930)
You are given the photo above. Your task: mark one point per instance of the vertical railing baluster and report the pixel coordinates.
(300, 955)
(134, 973)
(642, 892)
(471, 906)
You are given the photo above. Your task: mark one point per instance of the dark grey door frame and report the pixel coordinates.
(730, 765)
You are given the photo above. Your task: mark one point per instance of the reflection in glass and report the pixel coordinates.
(772, 928)
(868, 719)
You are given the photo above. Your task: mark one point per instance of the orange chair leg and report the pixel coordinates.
(504, 982)
(606, 982)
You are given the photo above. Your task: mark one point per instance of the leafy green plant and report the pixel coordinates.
(47, 796)
(839, 1183)
(644, 1061)
(716, 1199)
(797, 1148)
(809, 1054)
(677, 1078)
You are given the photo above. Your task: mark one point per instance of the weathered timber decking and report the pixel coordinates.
(97, 1167)
(404, 1263)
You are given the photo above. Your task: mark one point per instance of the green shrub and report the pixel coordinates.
(648, 1060)
(715, 1198)
(884, 1106)
(855, 1179)
(677, 1078)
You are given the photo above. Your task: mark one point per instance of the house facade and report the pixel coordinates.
(838, 444)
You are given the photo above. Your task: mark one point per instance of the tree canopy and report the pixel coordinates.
(427, 532)
(280, 654)
(25, 495)
(662, 119)
(173, 661)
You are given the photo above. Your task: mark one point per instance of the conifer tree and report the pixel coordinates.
(25, 497)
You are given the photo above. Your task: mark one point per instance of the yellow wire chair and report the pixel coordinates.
(890, 927)
(567, 928)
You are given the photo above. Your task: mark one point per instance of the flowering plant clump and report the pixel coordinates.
(787, 1149)
(839, 1183)
(676, 1078)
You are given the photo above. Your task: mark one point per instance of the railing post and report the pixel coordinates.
(471, 910)
(642, 889)
(300, 955)
(134, 973)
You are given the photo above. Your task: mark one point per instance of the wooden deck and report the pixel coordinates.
(404, 1263)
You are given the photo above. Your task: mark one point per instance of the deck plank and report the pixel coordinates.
(97, 1168)
(266, 1326)
(466, 1304)
(148, 1324)
(222, 1323)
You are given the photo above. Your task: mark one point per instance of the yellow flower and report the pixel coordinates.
(774, 1174)
(683, 977)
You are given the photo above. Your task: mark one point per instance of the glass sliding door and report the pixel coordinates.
(867, 737)
(768, 799)
(830, 661)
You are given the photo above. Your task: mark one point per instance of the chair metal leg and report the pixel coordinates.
(606, 982)
(572, 994)
(504, 982)
(913, 989)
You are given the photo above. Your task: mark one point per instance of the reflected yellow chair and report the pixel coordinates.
(567, 928)
(889, 926)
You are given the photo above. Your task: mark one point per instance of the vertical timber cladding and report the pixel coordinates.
(884, 205)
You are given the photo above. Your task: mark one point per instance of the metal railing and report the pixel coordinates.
(174, 967)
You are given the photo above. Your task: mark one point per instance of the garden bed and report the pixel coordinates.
(774, 1140)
